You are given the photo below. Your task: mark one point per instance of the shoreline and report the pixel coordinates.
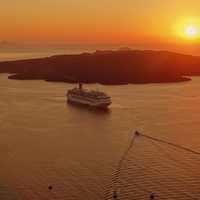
(22, 77)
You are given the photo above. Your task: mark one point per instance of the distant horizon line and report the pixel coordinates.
(19, 56)
(79, 51)
(7, 46)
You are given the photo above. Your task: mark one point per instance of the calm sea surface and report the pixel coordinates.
(44, 141)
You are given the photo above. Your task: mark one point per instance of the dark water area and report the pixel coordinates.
(45, 141)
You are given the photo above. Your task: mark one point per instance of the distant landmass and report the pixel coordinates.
(107, 67)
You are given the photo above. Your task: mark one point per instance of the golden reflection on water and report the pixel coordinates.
(44, 141)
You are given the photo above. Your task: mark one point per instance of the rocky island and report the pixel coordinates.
(107, 67)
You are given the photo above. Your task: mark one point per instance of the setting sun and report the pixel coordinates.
(187, 30)
(191, 31)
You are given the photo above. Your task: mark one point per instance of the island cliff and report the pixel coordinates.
(107, 67)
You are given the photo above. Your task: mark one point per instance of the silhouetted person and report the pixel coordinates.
(50, 187)
(152, 196)
(115, 195)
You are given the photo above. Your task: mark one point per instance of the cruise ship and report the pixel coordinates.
(88, 97)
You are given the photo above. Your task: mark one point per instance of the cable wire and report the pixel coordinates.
(125, 154)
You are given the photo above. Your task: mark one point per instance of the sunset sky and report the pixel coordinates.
(95, 21)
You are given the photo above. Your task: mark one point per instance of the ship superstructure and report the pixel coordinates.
(88, 97)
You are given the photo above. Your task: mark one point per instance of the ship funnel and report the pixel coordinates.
(80, 86)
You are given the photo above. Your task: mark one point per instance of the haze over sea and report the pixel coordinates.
(12, 51)
(37, 52)
(29, 53)
(44, 141)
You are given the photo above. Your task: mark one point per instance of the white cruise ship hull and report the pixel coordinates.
(89, 102)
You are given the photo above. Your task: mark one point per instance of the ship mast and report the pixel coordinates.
(80, 85)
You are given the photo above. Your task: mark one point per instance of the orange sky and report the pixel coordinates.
(95, 21)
